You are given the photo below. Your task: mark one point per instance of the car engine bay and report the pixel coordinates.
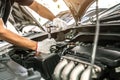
(70, 59)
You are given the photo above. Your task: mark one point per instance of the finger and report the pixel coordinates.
(37, 54)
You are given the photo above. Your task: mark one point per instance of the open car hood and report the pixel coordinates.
(78, 7)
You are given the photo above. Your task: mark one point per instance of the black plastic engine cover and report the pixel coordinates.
(107, 56)
(45, 65)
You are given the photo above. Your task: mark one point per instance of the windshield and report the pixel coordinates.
(91, 11)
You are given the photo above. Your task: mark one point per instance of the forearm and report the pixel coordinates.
(41, 10)
(17, 40)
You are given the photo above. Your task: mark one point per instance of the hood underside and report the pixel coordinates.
(78, 7)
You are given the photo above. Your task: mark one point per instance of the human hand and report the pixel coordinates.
(43, 47)
(60, 24)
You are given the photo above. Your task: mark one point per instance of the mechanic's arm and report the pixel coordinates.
(44, 12)
(37, 7)
(15, 39)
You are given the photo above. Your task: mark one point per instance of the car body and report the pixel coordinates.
(73, 51)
